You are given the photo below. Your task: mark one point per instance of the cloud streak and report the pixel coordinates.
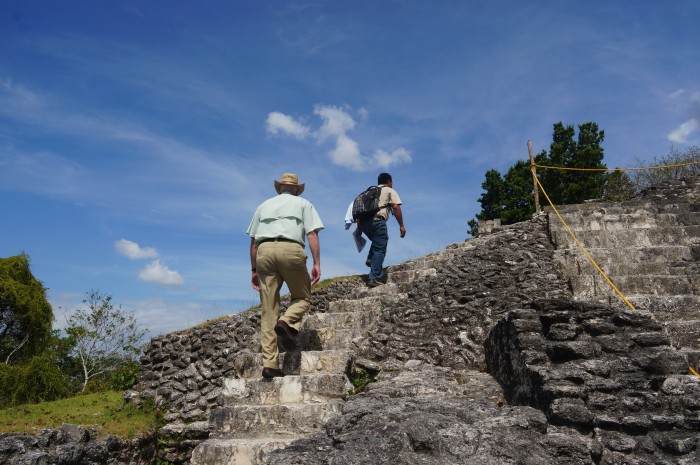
(336, 124)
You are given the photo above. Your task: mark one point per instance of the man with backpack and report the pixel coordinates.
(371, 210)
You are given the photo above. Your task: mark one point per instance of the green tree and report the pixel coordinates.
(518, 197)
(492, 198)
(573, 186)
(511, 198)
(619, 187)
(25, 313)
(106, 337)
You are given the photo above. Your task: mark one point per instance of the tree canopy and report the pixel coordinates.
(573, 186)
(25, 313)
(511, 198)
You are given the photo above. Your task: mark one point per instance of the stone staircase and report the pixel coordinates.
(257, 416)
(650, 251)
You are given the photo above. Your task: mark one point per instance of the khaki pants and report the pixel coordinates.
(278, 263)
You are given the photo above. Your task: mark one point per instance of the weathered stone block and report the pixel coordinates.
(565, 351)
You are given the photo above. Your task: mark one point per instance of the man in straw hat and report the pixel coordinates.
(278, 231)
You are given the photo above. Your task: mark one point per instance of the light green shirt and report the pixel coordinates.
(284, 216)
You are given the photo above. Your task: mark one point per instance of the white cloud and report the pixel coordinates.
(336, 123)
(133, 251)
(690, 104)
(157, 273)
(681, 135)
(279, 122)
(384, 159)
(347, 153)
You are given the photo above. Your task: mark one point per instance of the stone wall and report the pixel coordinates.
(72, 444)
(606, 373)
(446, 316)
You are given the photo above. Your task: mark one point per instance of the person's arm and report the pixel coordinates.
(315, 247)
(253, 256)
(396, 209)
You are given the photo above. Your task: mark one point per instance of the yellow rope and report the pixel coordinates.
(585, 252)
(572, 234)
(617, 169)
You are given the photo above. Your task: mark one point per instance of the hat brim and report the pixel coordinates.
(299, 187)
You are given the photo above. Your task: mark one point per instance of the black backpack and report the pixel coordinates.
(366, 205)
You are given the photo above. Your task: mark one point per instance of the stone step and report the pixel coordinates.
(602, 219)
(433, 260)
(408, 276)
(341, 320)
(372, 303)
(238, 451)
(249, 365)
(328, 338)
(303, 418)
(285, 390)
(666, 304)
(596, 285)
(627, 238)
(368, 302)
(660, 254)
(582, 266)
(659, 206)
(390, 289)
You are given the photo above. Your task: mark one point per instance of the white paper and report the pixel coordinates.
(359, 240)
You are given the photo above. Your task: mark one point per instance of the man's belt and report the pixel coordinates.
(278, 239)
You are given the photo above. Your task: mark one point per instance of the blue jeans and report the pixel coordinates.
(379, 235)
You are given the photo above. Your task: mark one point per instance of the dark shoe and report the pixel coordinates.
(286, 334)
(374, 283)
(368, 262)
(269, 373)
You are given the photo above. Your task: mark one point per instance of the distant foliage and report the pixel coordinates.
(107, 339)
(125, 376)
(645, 179)
(619, 187)
(25, 313)
(36, 381)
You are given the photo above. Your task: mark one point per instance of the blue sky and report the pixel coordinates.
(137, 138)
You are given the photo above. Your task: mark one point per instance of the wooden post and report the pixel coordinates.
(534, 176)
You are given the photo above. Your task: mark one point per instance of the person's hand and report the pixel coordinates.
(255, 281)
(315, 274)
(403, 231)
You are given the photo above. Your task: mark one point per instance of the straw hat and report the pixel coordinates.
(289, 179)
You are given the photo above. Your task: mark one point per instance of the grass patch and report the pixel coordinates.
(105, 411)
